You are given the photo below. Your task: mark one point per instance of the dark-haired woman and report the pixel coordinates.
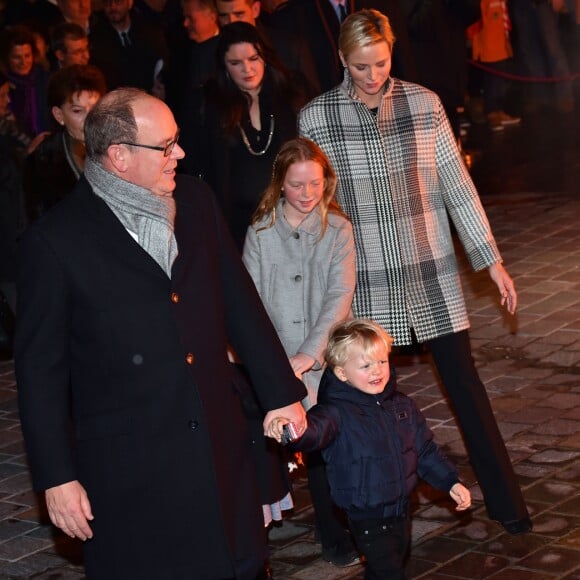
(251, 109)
(53, 168)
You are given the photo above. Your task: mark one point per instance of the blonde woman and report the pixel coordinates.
(400, 175)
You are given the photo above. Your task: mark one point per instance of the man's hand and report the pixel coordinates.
(70, 510)
(506, 287)
(293, 413)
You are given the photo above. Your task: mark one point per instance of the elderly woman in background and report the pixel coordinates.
(400, 175)
(28, 79)
(53, 168)
(251, 108)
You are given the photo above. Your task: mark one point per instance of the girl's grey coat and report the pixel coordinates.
(400, 175)
(306, 283)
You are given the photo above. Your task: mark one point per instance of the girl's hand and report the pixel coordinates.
(301, 363)
(505, 285)
(461, 496)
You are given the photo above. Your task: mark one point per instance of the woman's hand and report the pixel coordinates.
(505, 285)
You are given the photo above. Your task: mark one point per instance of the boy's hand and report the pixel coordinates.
(461, 496)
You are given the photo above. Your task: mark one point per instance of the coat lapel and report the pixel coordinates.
(108, 231)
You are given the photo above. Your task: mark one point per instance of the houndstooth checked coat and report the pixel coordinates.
(400, 177)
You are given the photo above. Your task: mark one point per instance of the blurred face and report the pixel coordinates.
(41, 46)
(366, 372)
(237, 10)
(4, 98)
(77, 11)
(72, 115)
(369, 67)
(149, 168)
(117, 12)
(245, 67)
(303, 189)
(199, 21)
(21, 59)
(75, 52)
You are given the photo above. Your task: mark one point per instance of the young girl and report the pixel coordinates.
(299, 251)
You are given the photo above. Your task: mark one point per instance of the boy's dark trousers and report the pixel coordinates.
(384, 543)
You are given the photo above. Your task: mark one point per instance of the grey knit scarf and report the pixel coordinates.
(151, 217)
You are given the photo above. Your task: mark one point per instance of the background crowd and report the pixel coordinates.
(176, 50)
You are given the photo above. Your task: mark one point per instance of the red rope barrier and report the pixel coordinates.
(524, 79)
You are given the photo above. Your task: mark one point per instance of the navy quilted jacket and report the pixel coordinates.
(375, 448)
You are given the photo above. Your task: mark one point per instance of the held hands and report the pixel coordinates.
(301, 363)
(275, 420)
(461, 496)
(276, 427)
(70, 510)
(505, 285)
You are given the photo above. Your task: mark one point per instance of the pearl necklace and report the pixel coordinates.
(268, 142)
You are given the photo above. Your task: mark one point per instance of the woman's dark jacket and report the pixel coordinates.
(375, 448)
(237, 177)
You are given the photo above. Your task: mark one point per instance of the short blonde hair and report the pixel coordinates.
(365, 333)
(364, 28)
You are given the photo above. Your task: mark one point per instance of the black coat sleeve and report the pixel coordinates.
(250, 330)
(42, 361)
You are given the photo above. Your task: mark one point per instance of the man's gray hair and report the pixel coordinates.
(111, 121)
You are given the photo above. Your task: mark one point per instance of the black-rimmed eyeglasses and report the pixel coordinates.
(167, 148)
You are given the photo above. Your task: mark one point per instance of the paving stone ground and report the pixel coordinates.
(530, 364)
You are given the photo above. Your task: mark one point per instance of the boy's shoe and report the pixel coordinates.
(341, 555)
(494, 121)
(517, 527)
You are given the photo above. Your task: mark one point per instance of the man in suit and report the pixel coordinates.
(319, 22)
(193, 62)
(129, 51)
(69, 45)
(131, 291)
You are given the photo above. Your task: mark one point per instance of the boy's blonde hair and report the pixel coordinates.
(366, 333)
(295, 151)
(364, 28)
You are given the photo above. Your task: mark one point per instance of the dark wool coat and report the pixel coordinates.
(400, 177)
(159, 438)
(375, 448)
(48, 176)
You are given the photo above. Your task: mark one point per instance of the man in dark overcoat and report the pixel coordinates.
(131, 291)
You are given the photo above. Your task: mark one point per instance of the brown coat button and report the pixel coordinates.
(174, 297)
(189, 358)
